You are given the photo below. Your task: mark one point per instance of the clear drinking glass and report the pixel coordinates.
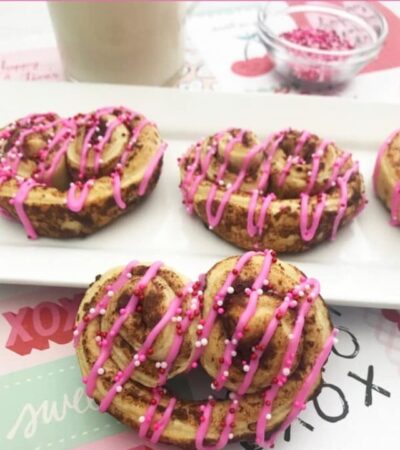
(120, 42)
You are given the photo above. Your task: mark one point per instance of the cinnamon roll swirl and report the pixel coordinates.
(289, 192)
(387, 176)
(257, 325)
(70, 177)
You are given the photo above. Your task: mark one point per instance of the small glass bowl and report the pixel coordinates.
(358, 23)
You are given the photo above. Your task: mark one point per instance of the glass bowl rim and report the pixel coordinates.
(276, 40)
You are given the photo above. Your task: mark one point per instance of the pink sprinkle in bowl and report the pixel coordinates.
(321, 45)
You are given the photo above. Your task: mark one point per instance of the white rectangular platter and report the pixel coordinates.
(361, 268)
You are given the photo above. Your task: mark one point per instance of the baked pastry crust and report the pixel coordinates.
(278, 383)
(64, 178)
(387, 176)
(288, 193)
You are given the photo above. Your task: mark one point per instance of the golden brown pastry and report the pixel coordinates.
(257, 325)
(70, 177)
(387, 176)
(288, 193)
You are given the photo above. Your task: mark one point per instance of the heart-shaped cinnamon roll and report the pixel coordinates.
(70, 177)
(387, 176)
(288, 193)
(257, 326)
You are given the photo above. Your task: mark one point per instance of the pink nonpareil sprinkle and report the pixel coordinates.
(317, 38)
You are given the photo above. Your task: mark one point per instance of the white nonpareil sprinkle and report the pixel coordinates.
(234, 341)
(137, 363)
(246, 368)
(97, 338)
(226, 373)
(226, 342)
(233, 353)
(100, 371)
(204, 342)
(268, 416)
(142, 419)
(164, 365)
(290, 336)
(110, 293)
(197, 344)
(210, 227)
(92, 310)
(230, 436)
(118, 388)
(220, 302)
(102, 311)
(286, 371)
(75, 333)
(265, 282)
(259, 291)
(230, 290)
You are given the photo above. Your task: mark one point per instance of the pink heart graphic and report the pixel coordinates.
(392, 315)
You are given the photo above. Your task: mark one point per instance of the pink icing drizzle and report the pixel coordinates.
(197, 171)
(302, 395)
(243, 320)
(10, 162)
(116, 184)
(108, 343)
(151, 168)
(308, 289)
(103, 303)
(18, 203)
(288, 359)
(149, 341)
(395, 200)
(75, 203)
(308, 233)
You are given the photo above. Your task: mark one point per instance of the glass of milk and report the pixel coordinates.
(120, 42)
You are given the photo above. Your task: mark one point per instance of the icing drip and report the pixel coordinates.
(65, 132)
(248, 313)
(196, 171)
(302, 395)
(75, 203)
(308, 233)
(395, 199)
(257, 229)
(18, 202)
(103, 303)
(151, 168)
(288, 359)
(107, 345)
(116, 184)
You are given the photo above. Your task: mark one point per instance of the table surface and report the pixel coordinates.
(43, 405)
